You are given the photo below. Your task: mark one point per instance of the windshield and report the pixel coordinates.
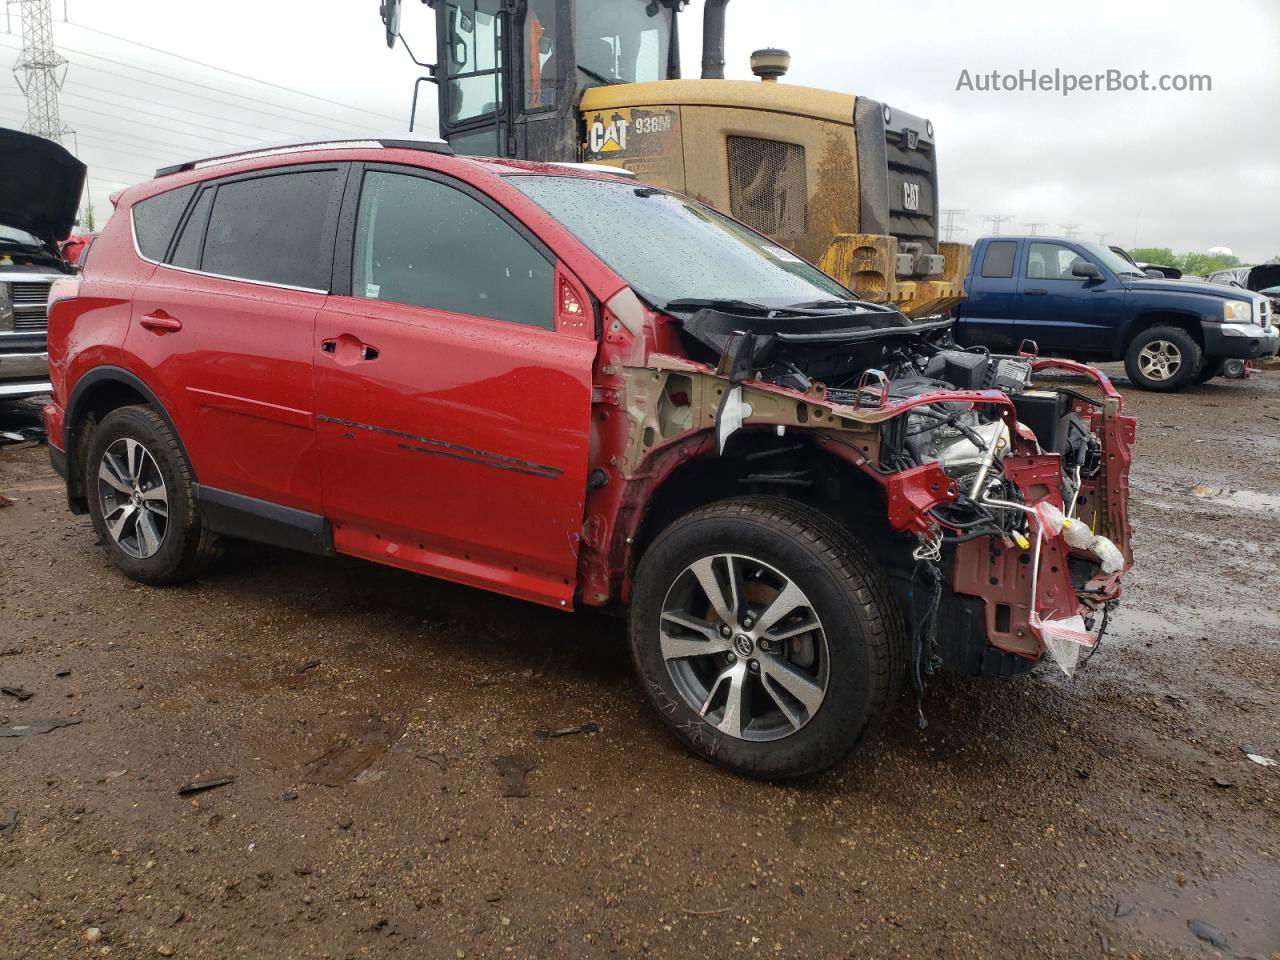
(1112, 261)
(671, 248)
(623, 41)
(14, 235)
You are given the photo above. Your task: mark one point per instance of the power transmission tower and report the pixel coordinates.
(950, 226)
(40, 70)
(1069, 230)
(1033, 227)
(995, 220)
(1102, 236)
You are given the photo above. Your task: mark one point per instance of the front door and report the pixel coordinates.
(1064, 313)
(452, 413)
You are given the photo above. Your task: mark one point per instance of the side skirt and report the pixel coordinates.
(248, 518)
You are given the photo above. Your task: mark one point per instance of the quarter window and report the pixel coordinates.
(998, 260)
(423, 243)
(190, 242)
(155, 219)
(271, 229)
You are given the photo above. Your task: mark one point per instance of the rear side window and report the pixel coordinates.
(998, 260)
(422, 243)
(155, 219)
(271, 229)
(191, 240)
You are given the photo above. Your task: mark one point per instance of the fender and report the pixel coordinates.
(1178, 309)
(75, 419)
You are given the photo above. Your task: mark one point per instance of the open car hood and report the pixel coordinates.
(40, 185)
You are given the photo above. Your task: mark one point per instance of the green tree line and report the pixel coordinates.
(1198, 264)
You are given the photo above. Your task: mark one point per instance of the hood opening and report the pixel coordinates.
(40, 186)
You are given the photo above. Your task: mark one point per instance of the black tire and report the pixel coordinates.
(1183, 355)
(861, 623)
(1212, 368)
(185, 547)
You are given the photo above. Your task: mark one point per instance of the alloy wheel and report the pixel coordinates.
(744, 647)
(1159, 360)
(135, 503)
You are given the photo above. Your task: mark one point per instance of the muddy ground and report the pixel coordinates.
(1041, 817)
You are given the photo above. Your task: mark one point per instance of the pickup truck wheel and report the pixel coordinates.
(1163, 358)
(1211, 369)
(765, 636)
(141, 499)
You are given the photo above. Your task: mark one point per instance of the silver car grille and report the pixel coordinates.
(30, 305)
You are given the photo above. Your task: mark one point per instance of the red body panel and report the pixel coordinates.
(461, 450)
(236, 378)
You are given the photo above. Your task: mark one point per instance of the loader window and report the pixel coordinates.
(541, 60)
(623, 41)
(474, 53)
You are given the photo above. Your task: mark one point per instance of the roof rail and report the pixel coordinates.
(399, 141)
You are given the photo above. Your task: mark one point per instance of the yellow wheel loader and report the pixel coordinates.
(848, 183)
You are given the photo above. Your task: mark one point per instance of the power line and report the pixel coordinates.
(156, 126)
(162, 116)
(335, 123)
(112, 135)
(233, 73)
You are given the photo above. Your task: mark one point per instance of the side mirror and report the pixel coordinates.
(389, 11)
(1086, 270)
(1154, 273)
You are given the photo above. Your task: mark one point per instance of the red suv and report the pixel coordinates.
(561, 385)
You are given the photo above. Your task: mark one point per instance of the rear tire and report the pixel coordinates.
(814, 649)
(141, 499)
(1163, 359)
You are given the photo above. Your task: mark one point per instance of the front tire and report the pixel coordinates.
(141, 499)
(765, 636)
(1162, 358)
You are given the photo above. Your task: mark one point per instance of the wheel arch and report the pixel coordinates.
(836, 487)
(96, 394)
(1189, 322)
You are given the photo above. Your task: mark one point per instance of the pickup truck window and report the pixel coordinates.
(1051, 261)
(998, 260)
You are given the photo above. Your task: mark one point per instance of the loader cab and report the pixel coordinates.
(510, 73)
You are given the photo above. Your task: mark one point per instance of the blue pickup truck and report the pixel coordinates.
(1082, 300)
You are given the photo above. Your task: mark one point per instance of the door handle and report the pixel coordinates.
(160, 323)
(351, 349)
(1037, 292)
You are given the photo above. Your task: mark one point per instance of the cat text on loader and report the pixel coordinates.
(848, 183)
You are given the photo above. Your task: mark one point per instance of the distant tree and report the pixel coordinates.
(1205, 263)
(1161, 255)
(1275, 259)
(90, 222)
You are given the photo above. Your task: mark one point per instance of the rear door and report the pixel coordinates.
(226, 324)
(989, 315)
(1062, 312)
(452, 403)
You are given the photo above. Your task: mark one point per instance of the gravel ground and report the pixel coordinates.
(1041, 817)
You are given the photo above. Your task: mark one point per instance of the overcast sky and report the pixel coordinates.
(1189, 170)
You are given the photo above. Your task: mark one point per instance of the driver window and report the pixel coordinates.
(541, 85)
(423, 243)
(1051, 261)
(475, 62)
